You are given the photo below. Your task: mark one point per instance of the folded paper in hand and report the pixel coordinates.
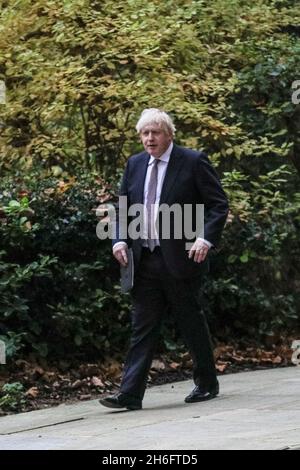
(127, 273)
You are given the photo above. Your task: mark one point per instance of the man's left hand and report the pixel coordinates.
(199, 251)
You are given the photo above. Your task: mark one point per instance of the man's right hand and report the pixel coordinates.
(120, 253)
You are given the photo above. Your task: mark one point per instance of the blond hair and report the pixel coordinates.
(156, 116)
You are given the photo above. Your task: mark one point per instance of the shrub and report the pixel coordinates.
(12, 397)
(255, 288)
(58, 283)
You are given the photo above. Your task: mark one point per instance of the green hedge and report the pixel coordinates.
(58, 283)
(255, 289)
(59, 290)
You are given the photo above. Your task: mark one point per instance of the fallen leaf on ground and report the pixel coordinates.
(32, 392)
(97, 382)
(157, 365)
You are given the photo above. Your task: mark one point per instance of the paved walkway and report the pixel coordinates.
(255, 410)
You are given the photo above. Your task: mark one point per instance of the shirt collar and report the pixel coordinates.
(165, 156)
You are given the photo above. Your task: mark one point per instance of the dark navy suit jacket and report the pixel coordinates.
(189, 179)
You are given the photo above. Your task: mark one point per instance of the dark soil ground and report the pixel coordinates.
(36, 384)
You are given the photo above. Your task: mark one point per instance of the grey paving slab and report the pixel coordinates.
(255, 410)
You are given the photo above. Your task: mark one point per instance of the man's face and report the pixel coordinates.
(155, 140)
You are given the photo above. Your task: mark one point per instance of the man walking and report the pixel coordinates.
(168, 276)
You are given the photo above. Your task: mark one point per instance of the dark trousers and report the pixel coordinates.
(155, 291)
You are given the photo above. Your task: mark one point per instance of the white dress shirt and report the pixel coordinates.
(161, 172)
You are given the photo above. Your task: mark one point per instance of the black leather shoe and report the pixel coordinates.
(202, 394)
(121, 400)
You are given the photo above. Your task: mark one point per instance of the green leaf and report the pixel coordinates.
(244, 258)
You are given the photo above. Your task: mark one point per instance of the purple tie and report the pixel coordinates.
(151, 198)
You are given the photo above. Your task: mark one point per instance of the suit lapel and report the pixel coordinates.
(175, 163)
(141, 171)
